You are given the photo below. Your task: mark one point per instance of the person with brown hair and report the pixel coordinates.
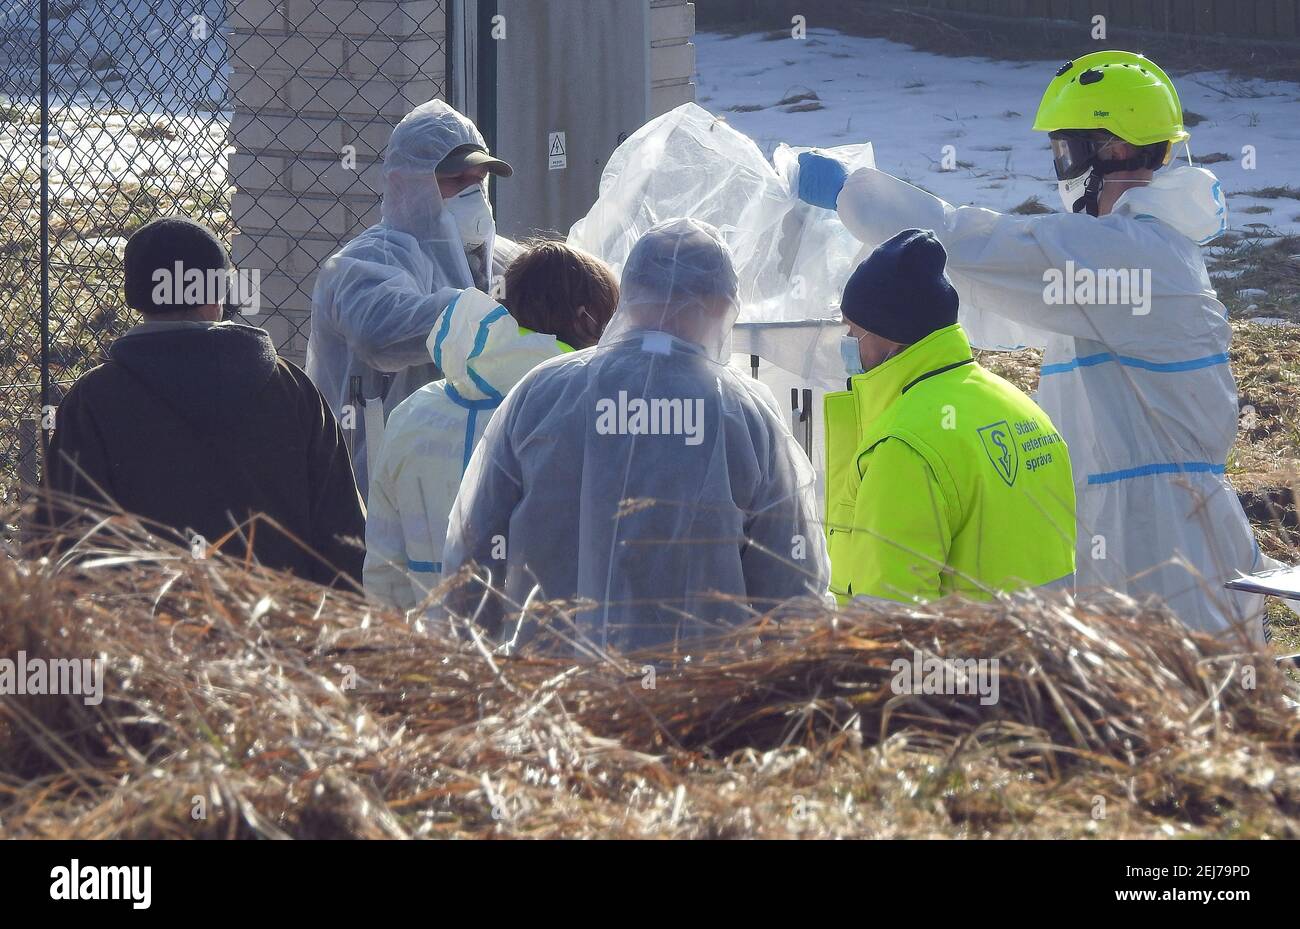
(561, 290)
(556, 299)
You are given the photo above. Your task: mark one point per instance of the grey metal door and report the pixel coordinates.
(571, 82)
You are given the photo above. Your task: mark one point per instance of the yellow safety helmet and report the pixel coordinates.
(1123, 93)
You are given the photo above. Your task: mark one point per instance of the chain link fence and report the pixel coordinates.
(265, 119)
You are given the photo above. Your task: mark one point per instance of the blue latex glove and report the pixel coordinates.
(820, 179)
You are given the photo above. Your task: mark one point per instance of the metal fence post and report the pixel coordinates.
(29, 456)
(30, 461)
(44, 156)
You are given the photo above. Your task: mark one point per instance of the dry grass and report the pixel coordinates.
(1257, 273)
(1266, 362)
(277, 709)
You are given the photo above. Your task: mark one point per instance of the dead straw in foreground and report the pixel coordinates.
(240, 703)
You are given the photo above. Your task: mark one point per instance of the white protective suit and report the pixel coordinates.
(377, 299)
(482, 352)
(1146, 400)
(645, 475)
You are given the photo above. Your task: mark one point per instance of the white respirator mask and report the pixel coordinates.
(473, 214)
(1072, 191)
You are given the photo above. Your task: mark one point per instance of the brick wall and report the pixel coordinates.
(314, 80)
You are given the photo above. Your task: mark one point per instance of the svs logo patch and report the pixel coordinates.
(1000, 445)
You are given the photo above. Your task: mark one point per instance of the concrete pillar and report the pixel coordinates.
(672, 55)
(315, 81)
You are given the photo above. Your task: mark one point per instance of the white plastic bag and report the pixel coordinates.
(792, 259)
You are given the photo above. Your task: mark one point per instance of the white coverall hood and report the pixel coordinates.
(1188, 198)
(481, 350)
(425, 136)
(378, 299)
(430, 437)
(678, 280)
(644, 475)
(1135, 371)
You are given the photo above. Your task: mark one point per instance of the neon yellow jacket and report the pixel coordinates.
(942, 477)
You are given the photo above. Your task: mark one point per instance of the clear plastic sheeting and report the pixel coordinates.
(791, 259)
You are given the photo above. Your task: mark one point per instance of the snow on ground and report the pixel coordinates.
(90, 151)
(158, 56)
(139, 90)
(910, 104)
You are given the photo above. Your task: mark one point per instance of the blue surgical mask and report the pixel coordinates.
(850, 355)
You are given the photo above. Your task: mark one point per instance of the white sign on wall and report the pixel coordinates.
(557, 151)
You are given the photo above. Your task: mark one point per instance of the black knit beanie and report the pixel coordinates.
(180, 247)
(900, 291)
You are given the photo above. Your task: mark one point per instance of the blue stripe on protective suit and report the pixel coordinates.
(470, 422)
(474, 407)
(1221, 212)
(424, 567)
(494, 396)
(457, 398)
(1163, 367)
(480, 342)
(1168, 467)
(444, 329)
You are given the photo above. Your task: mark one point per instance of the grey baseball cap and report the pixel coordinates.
(463, 157)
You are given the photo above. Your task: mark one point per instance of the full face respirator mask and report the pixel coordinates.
(1081, 171)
